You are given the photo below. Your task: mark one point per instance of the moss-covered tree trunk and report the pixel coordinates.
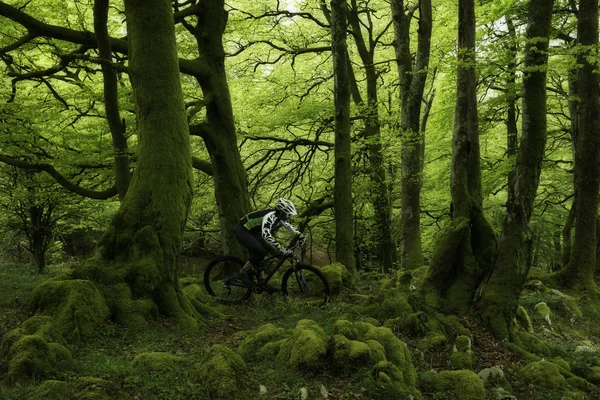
(342, 194)
(218, 131)
(511, 112)
(388, 254)
(412, 86)
(579, 273)
(464, 253)
(143, 242)
(500, 297)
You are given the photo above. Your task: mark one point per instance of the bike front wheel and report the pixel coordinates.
(221, 280)
(306, 283)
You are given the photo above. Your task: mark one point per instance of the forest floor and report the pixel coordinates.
(109, 353)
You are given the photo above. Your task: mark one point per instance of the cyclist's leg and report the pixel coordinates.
(256, 249)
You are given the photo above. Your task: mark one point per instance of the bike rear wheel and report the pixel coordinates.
(221, 280)
(306, 283)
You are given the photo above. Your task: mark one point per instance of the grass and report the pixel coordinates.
(109, 353)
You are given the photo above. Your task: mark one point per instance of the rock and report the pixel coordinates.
(262, 390)
(463, 385)
(305, 348)
(544, 374)
(543, 311)
(222, 371)
(500, 393)
(154, 361)
(493, 377)
(261, 343)
(337, 275)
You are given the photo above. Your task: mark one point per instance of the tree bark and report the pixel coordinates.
(111, 99)
(388, 253)
(500, 297)
(464, 253)
(342, 195)
(229, 175)
(412, 86)
(145, 237)
(511, 114)
(579, 273)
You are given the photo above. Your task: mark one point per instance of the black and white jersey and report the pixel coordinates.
(265, 223)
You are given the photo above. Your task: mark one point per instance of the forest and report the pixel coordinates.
(443, 158)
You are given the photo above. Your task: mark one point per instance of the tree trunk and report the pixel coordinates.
(466, 249)
(342, 195)
(511, 115)
(231, 187)
(111, 99)
(579, 273)
(388, 253)
(142, 244)
(500, 297)
(412, 86)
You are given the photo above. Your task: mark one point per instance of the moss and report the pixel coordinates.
(32, 357)
(543, 311)
(76, 305)
(462, 357)
(197, 297)
(388, 304)
(125, 310)
(337, 275)
(494, 377)
(395, 352)
(88, 387)
(544, 374)
(561, 363)
(463, 385)
(252, 345)
(305, 348)
(592, 374)
(392, 381)
(531, 343)
(527, 356)
(409, 281)
(346, 328)
(222, 371)
(523, 319)
(409, 324)
(53, 389)
(433, 340)
(350, 354)
(155, 361)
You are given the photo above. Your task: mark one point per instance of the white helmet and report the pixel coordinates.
(285, 207)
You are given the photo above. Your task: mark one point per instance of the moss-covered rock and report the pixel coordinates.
(523, 319)
(77, 305)
(531, 343)
(253, 346)
(346, 328)
(337, 275)
(53, 389)
(154, 361)
(463, 385)
(561, 363)
(412, 325)
(32, 351)
(351, 354)
(412, 280)
(543, 311)
(494, 377)
(306, 347)
(433, 341)
(392, 381)
(462, 354)
(222, 371)
(544, 374)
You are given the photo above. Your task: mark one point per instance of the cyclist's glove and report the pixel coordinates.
(286, 252)
(301, 240)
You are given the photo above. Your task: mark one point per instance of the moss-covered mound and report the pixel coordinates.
(359, 345)
(154, 361)
(463, 385)
(462, 355)
(337, 275)
(387, 304)
(222, 371)
(82, 388)
(305, 348)
(263, 343)
(33, 350)
(76, 305)
(197, 296)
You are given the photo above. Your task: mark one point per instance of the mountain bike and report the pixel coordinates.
(300, 281)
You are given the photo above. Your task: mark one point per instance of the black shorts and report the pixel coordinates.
(257, 251)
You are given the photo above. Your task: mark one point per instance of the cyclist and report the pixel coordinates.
(255, 231)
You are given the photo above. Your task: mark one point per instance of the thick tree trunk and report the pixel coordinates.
(500, 297)
(342, 195)
(579, 273)
(145, 237)
(511, 114)
(412, 86)
(466, 249)
(231, 187)
(388, 253)
(111, 99)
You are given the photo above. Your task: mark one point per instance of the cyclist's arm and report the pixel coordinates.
(267, 230)
(289, 227)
